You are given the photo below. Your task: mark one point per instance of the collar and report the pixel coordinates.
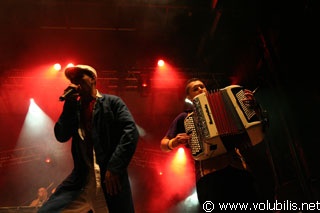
(98, 94)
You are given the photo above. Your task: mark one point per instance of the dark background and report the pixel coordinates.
(269, 45)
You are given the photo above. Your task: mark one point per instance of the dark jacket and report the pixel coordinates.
(115, 138)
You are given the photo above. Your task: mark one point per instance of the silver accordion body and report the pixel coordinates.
(220, 121)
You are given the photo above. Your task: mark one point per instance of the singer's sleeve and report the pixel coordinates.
(128, 138)
(67, 122)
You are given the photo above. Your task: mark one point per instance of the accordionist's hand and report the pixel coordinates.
(249, 100)
(182, 138)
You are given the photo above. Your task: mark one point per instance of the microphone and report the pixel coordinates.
(67, 93)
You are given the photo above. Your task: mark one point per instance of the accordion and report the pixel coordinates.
(220, 121)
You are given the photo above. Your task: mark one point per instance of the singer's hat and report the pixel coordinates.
(72, 71)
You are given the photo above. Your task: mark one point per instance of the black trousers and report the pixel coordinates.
(227, 185)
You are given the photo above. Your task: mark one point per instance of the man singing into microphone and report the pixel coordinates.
(104, 139)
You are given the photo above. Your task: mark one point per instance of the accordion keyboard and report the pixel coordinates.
(195, 145)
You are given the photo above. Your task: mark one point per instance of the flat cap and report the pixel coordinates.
(73, 70)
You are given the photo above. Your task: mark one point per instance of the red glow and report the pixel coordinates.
(167, 77)
(177, 177)
(234, 80)
(178, 164)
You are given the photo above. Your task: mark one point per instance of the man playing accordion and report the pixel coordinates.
(222, 177)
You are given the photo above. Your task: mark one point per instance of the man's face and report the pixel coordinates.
(42, 192)
(195, 88)
(85, 83)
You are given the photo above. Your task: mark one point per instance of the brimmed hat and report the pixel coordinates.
(72, 71)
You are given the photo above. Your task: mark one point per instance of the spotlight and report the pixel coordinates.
(144, 84)
(160, 63)
(57, 67)
(48, 160)
(70, 65)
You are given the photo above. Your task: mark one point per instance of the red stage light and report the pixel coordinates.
(160, 63)
(57, 67)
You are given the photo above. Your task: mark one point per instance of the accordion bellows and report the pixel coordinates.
(220, 121)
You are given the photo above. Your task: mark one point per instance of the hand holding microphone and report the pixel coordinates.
(70, 92)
